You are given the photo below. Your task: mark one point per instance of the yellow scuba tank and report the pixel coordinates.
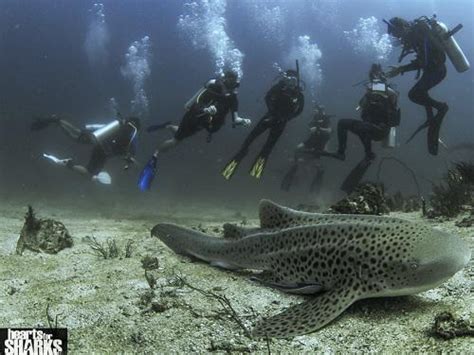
(445, 39)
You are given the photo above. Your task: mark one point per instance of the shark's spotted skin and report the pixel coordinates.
(341, 258)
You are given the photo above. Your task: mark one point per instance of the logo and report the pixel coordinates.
(35, 341)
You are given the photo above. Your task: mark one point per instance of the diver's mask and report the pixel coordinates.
(231, 81)
(290, 81)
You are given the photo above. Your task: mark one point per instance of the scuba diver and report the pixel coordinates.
(284, 102)
(117, 138)
(380, 115)
(309, 150)
(206, 110)
(430, 40)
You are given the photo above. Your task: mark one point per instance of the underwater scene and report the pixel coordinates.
(236, 176)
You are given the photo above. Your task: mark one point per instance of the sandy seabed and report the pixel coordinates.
(107, 306)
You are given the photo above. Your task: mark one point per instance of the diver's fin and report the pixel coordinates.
(157, 127)
(418, 130)
(289, 178)
(148, 174)
(40, 123)
(232, 231)
(270, 280)
(230, 168)
(306, 317)
(257, 169)
(55, 160)
(356, 175)
(103, 177)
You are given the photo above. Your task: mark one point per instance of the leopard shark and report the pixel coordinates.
(338, 259)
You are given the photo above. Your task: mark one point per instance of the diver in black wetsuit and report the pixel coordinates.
(284, 101)
(206, 110)
(416, 37)
(117, 138)
(310, 149)
(379, 113)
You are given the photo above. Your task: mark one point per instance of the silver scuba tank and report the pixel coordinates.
(445, 37)
(101, 135)
(390, 141)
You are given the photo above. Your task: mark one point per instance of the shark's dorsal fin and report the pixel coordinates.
(273, 215)
(306, 317)
(233, 231)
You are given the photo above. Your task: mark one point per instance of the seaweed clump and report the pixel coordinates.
(455, 193)
(42, 235)
(398, 202)
(446, 326)
(367, 198)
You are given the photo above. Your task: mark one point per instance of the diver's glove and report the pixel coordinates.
(210, 110)
(394, 71)
(240, 121)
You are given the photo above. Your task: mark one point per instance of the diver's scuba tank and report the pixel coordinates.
(445, 39)
(390, 141)
(102, 134)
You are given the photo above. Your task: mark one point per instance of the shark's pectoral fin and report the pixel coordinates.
(306, 317)
(270, 280)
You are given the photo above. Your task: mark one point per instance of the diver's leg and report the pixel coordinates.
(172, 128)
(166, 146)
(259, 165)
(261, 127)
(290, 175)
(316, 184)
(188, 127)
(343, 126)
(419, 93)
(73, 132)
(231, 167)
(96, 163)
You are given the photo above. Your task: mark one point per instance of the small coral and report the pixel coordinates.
(367, 198)
(446, 326)
(43, 235)
(455, 193)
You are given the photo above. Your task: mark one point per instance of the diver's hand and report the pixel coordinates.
(129, 160)
(210, 110)
(244, 122)
(394, 71)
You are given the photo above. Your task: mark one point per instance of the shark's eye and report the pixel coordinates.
(414, 265)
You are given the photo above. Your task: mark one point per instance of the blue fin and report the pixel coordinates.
(147, 175)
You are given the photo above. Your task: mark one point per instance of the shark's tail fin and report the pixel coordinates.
(189, 242)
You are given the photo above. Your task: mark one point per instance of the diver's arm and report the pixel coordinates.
(300, 106)
(131, 149)
(414, 65)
